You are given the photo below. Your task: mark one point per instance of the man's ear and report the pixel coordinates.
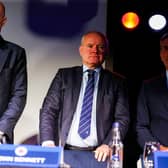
(4, 20)
(80, 49)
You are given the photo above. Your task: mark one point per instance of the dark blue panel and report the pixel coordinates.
(161, 159)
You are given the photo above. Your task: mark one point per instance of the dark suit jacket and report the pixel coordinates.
(112, 104)
(13, 86)
(152, 116)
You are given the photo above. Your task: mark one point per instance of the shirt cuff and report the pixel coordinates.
(1, 133)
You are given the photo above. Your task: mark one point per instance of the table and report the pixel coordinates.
(82, 159)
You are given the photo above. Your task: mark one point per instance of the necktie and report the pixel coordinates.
(85, 117)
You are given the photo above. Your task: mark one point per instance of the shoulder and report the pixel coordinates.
(154, 79)
(114, 79)
(118, 76)
(12, 45)
(114, 75)
(8, 45)
(68, 70)
(154, 83)
(68, 73)
(12, 50)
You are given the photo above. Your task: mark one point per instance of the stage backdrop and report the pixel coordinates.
(50, 31)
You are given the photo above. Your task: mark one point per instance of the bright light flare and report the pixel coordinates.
(157, 22)
(130, 20)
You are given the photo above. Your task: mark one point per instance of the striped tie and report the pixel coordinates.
(85, 117)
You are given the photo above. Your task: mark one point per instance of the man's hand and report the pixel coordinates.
(102, 152)
(163, 148)
(48, 143)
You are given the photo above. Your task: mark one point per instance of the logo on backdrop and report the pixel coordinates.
(21, 151)
(54, 19)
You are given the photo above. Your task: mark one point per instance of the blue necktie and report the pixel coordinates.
(85, 117)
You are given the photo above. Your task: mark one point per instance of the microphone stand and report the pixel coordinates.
(62, 163)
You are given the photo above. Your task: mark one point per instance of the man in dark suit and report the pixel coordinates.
(62, 106)
(13, 84)
(152, 116)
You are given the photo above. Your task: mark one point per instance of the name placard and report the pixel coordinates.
(30, 156)
(160, 159)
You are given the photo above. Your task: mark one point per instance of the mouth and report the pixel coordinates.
(93, 55)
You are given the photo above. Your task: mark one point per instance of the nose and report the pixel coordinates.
(164, 53)
(96, 49)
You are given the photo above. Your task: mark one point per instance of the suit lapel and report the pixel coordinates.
(100, 93)
(163, 87)
(3, 54)
(77, 80)
(159, 90)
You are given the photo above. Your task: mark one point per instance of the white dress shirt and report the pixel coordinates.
(73, 136)
(167, 77)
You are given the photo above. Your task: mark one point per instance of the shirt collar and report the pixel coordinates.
(167, 75)
(85, 68)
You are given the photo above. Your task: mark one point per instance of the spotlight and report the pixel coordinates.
(130, 20)
(157, 22)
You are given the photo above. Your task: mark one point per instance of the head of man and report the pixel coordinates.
(2, 15)
(93, 49)
(164, 50)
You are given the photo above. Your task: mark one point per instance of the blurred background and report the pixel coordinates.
(50, 31)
